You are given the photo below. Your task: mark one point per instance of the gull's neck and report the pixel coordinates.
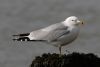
(65, 23)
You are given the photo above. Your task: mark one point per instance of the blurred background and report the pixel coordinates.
(22, 16)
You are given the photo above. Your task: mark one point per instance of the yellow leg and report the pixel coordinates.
(60, 50)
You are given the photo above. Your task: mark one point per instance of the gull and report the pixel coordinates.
(58, 34)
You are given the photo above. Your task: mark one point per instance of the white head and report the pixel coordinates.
(72, 21)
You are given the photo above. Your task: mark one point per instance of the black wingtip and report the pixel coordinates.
(13, 39)
(21, 39)
(25, 34)
(15, 35)
(16, 39)
(27, 39)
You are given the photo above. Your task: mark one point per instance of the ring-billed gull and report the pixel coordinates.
(59, 34)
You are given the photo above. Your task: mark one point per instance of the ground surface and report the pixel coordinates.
(70, 60)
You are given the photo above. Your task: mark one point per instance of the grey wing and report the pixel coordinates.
(56, 34)
(51, 33)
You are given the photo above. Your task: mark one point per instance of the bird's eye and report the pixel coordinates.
(72, 20)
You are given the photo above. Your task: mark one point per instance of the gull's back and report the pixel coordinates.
(47, 32)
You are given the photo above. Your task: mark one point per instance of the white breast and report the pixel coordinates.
(66, 39)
